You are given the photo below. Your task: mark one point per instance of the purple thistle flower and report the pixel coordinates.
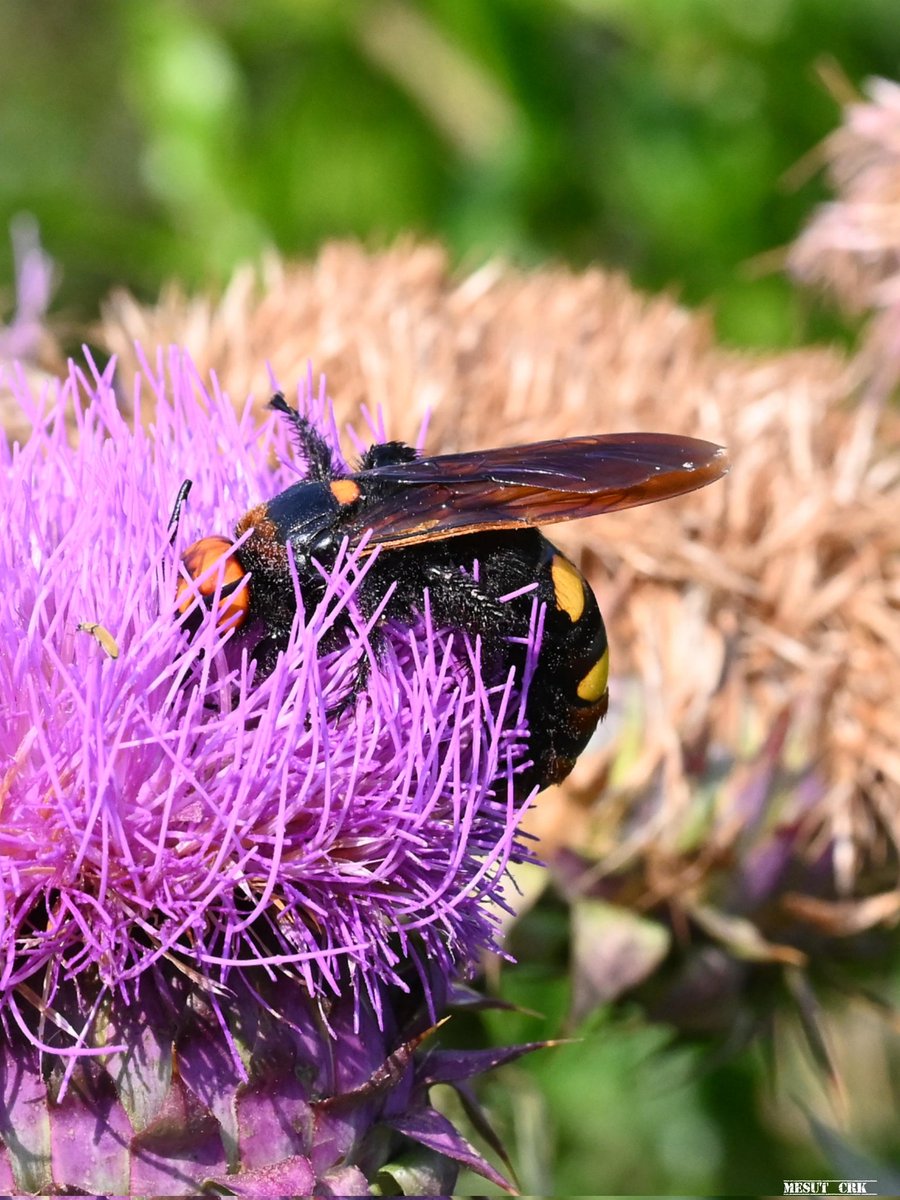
(197, 858)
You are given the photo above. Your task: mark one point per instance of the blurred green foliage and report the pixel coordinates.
(161, 138)
(622, 1107)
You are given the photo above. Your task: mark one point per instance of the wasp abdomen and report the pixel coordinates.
(568, 695)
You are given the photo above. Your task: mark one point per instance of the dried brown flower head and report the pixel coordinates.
(744, 790)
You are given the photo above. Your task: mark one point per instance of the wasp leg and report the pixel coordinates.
(267, 650)
(458, 601)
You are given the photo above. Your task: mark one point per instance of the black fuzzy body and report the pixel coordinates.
(467, 577)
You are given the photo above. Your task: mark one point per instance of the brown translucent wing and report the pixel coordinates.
(535, 484)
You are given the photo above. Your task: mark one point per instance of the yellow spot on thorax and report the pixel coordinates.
(345, 491)
(594, 683)
(568, 587)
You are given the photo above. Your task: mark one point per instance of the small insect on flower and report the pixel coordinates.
(101, 635)
(463, 528)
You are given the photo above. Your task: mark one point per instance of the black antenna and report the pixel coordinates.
(183, 492)
(316, 451)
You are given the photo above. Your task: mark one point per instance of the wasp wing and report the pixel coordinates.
(536, 484)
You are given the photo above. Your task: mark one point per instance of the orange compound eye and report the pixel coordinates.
(211, 565)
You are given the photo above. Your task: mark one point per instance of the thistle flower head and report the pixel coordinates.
(173, 825)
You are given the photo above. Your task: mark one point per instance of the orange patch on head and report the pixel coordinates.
(345, 491)
(211, 567)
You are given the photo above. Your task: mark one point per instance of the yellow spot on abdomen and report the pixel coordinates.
(345, 491)
(568, 587)
(594, 683)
